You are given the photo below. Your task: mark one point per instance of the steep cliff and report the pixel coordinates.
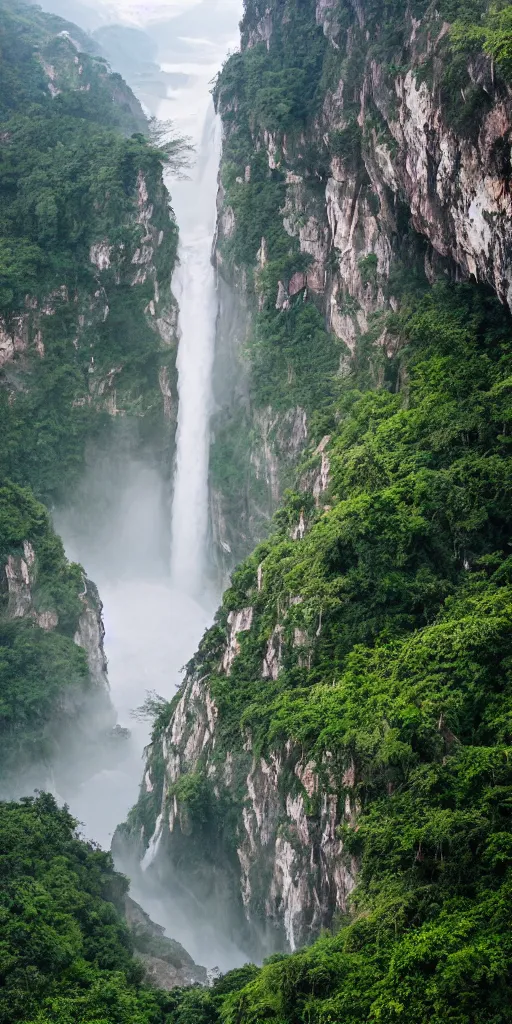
(366, 154)
(337, 753)
(87, 361)
(87, 319)
(54, 672)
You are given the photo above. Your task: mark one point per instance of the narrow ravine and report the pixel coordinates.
(157, 602)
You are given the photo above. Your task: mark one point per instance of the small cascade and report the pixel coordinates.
(195, 290)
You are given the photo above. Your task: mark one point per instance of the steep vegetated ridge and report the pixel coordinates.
(68, 952)
(366, 151)
(87, 346)
(87, 245)
(339, 754)
(53, 668)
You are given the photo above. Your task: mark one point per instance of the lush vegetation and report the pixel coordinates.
(66, 952)
(67, 955)
(44, 673)
(401, 593)
(394, 609)
(492, 33)
(72, 153)
(76, 342)
(271, 99)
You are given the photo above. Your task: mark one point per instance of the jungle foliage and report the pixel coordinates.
(394, 616)
(66, 951)
(73, 146)
(44, 674)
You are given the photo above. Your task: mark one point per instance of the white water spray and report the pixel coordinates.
(194, 287)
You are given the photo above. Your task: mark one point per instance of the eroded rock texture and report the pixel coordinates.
(386, 175)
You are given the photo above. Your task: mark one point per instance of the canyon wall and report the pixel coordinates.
(87, 319)
(363, 227)
(374, 154)
(55, 693)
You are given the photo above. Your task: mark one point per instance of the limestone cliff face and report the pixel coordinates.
(95, 326)
(394, 174)
(57, 721)
(167, 963)
(228, 823)
(23, 600)
(87, 362)
(31, 591)
(401, 161)
(283, 866)
(141, 262)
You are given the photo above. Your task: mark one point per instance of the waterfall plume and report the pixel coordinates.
(194, 286)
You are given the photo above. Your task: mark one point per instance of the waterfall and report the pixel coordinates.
(194, 287)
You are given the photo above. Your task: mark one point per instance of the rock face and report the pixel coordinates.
(392, 177)
(110, 323)
(395, 167)
(20, 573)
(23, 339)
(260, 443)
(167, 963)
(87, 363)
(231, 826)
(48, 609)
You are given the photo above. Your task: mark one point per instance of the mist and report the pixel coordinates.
(146, 549)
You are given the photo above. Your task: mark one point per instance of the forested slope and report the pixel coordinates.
(87, 353)
(339, 753)
(67, 952)
(366, 155)
(87, 244)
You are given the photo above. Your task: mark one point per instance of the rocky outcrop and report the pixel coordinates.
(238, 622)
(52, 631)
(24, 601)
(397, 172)
(299, 851)
(91, 633)
(167, 963)
(258, 830)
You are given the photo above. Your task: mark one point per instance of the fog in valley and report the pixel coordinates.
(158, 595)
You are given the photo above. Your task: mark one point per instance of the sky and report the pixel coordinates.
(91, 14)
(140, 12)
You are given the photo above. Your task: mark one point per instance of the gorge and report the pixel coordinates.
(327, 793)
